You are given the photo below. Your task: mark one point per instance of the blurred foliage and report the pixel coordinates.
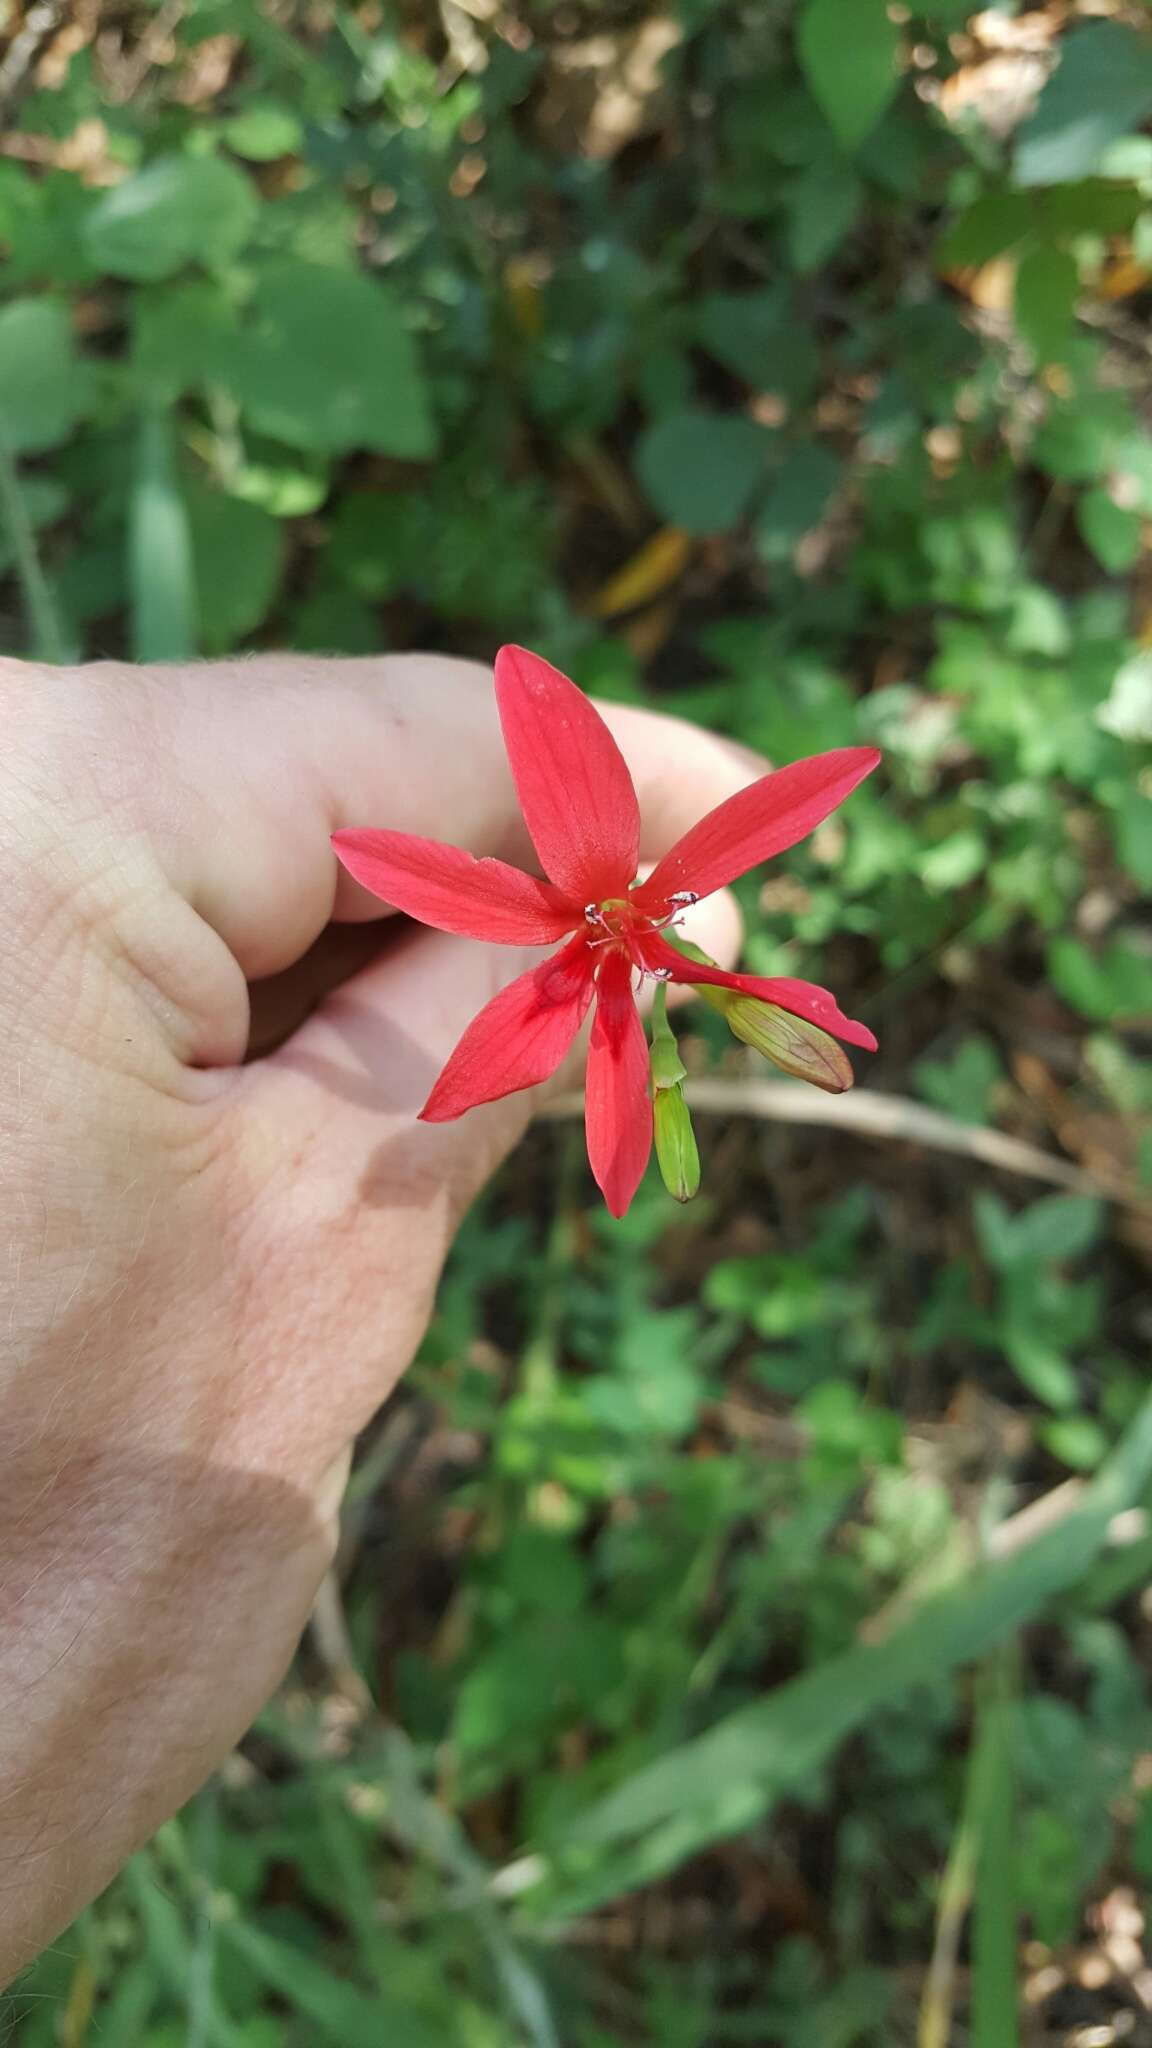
(783, 362)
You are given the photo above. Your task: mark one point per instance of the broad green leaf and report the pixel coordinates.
(1086, 436)
(1113, 532)
(1133, 829)
(760, 337)
(43, 387)
(1047, 283)
(848, 51)
(1057, 1227)
(181, 334)
(998, 220)
(1101, 87)
(823, 203)
(161, 576)
(333, 620)
(1127, 711)
(1045, 1372)
(179, 210)
(325, 361)
(1110, 985)
(264, 130)
(962, 1083)
(700, 469)
(237, 549)
(1077, 1440)
(797, 498)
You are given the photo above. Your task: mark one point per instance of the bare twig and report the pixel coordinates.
(871, 1115)
(39, 23)
(328, 1630)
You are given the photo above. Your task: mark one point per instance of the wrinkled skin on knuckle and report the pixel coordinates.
(92, 933)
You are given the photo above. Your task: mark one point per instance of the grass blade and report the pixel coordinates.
(726, 1780)
(161, 574)
(995, 1998)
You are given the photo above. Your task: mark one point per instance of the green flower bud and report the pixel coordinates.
(676, 1153)
(791, 1043)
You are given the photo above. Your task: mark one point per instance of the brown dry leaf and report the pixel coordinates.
(991, 288)
(1008, 63)
(606, 90)
(1122, 277)
(660, 562)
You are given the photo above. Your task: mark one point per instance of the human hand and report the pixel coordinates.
(215, 1271)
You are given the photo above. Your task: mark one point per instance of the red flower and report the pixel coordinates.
(580, 808)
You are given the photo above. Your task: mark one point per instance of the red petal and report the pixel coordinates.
(452, 890)
(519, 1038)
(617, 1105)
(757, 822)
(572, 780)
(802, 998)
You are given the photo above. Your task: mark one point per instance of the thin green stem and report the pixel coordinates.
(49, 640)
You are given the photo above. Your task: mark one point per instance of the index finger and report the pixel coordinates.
(274, 753)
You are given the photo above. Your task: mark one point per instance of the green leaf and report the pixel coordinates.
(43, 387)
(326, 362)
(998, 220)
(1108, 986)
(179, 210)
(798, 497)
(330, 620)
(238, 551)
(1043, 1371)
(1047, 283)
(1113, 532)
(1133, 829)
(700, 468)
(264, 130)
(962, 1083)
(1077, 1440)
(759, 337)
(161, 576)
(181, 333)
(848, 51)
(1057, 1227)
(823, 203)
(1127, 710)
(1101, 87)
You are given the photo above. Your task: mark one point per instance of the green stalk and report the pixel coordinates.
(49, 639)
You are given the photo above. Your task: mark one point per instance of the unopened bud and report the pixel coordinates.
(676, 1153)
(791, 1043)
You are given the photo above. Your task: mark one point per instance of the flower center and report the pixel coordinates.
(618, 921)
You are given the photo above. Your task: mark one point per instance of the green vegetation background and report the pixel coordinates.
(788, 365)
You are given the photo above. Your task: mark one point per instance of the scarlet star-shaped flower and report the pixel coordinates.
(581, 811)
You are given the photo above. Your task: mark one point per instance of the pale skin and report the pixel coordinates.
(212, 1273)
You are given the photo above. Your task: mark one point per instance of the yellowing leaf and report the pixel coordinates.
(649, 571)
